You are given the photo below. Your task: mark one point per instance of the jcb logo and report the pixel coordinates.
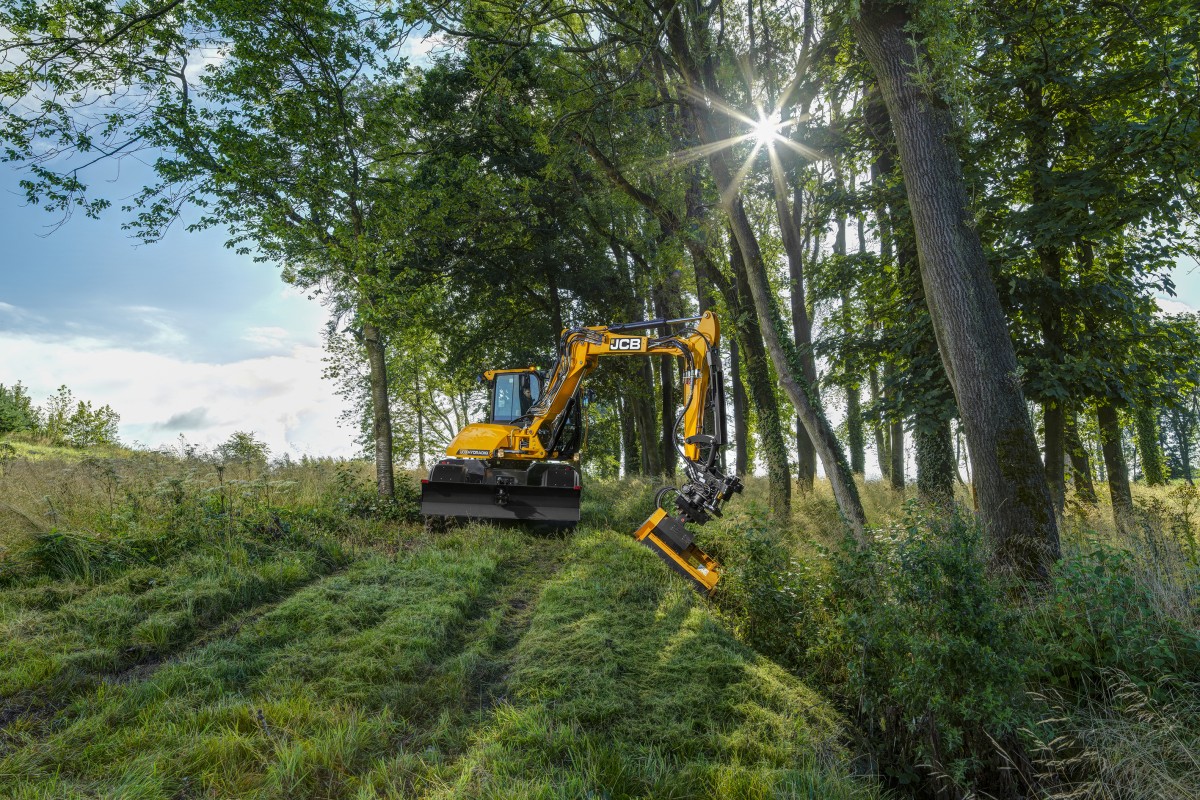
(625, 343)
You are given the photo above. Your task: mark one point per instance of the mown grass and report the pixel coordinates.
(626, 685)
(297, 702)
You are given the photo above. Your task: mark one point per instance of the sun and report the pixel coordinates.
(765, 130)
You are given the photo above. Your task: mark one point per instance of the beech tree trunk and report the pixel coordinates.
(1081, 463)
(381, 412)
(1115, 467)
(972, 334)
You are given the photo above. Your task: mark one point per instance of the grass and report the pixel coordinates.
(169, 631)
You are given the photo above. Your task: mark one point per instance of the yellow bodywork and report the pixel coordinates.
(481, 440)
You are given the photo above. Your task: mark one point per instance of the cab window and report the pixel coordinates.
(513, 394)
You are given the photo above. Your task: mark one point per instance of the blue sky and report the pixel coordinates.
(180, 336)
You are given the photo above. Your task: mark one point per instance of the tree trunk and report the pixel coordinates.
(381, 413)
(1114, 465)
(741, 430)
(1054, 422)
(969, 324)
(762, 391)
(882, 453)
(1182, 423)
(420, 421)
(935, 462)
(802, 394)
(647, 422)
(629, 437)
(666, 371)
(897, 446)
(1154, 470)
(806, 454)
(1081, 463)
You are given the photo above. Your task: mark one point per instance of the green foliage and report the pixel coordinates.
(17, 412)
(924, 648)
(76, 423)
(355, 497)
(775, 600)
(1101, 616)
(242, 448)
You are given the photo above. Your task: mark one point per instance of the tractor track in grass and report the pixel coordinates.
(41, 708)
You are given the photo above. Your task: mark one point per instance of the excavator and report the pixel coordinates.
(523, 463)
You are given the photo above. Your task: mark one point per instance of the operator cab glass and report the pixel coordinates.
(513, 394)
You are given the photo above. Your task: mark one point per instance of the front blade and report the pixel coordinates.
(490, 501)
(668, 538)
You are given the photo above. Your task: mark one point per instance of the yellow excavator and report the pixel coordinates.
(523, 463)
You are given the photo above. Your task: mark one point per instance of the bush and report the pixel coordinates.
(356, 498)
(776, 602)
(1100, 617)
(924, 652)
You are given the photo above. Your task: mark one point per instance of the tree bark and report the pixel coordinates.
(1182, 422)
(1154, 470)
(741, 430)
(1114, 466)
(1081, 463)
(802, 394)
(806, 454)
(629, 437)
(420, 420)
(969, 324)
(897, 446)
(935, 462)
(666, 373)
(758, 376)
(879, 433)
(647, 421)
(381, 413)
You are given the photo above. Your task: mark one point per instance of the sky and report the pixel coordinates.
(183, 336)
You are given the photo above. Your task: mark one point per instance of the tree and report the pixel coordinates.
(286, 139)
(243, 448)
(969, 323)
(17, 412)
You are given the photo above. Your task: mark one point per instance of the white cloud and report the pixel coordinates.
(281, 397)
(418, 50)
(272, 337)
(1168, 306)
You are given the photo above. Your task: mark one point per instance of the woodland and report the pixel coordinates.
(935, 235)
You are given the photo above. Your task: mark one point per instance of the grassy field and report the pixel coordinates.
(175, 628)
(171, 631)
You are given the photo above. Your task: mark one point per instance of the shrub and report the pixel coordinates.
(1101, 616)
(924, 652)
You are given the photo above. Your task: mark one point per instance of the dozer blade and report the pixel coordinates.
(667, 537)
(492, 501)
